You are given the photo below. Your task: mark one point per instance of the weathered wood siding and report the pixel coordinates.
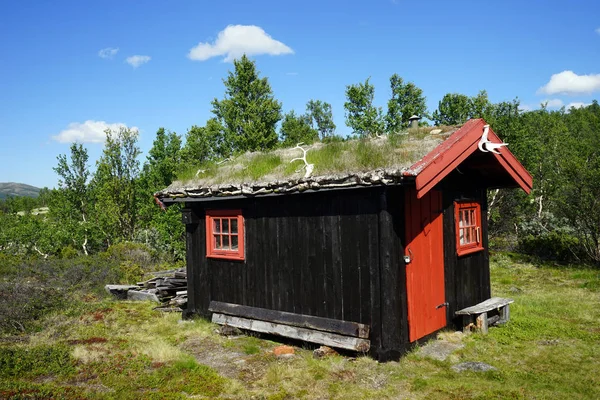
(468, 276)
(333, 254)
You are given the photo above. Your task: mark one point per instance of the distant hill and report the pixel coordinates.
(11, 189)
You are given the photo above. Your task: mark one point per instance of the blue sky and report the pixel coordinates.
(55, 76)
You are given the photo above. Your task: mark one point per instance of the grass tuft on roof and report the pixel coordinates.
(339, 157)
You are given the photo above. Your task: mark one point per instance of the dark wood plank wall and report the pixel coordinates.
(467, 277)
(334, 254)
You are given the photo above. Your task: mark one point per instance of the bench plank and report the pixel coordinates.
(307, 335)
(345, 328)
(488, 305)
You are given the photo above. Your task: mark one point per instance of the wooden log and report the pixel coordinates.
(482, 323)
(504, 314)
(493, 320)
(307, 335)
(345, 328)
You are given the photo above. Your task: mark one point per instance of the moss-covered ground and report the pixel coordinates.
(104, 349)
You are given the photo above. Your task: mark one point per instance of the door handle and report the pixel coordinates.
(446, 304)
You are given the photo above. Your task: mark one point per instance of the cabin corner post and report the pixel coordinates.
(196, 266)
(391, 338)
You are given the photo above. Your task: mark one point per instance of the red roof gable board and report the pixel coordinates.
(442, 160)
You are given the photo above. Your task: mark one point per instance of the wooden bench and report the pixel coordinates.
(330, 332)
(480, 312)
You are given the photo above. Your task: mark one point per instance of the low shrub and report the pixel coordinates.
(553, 245)
(23, 304)
(34, 361)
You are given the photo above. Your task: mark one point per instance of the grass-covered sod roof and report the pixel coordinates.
(369, 161)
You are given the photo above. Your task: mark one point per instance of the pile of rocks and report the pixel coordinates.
(169, 288)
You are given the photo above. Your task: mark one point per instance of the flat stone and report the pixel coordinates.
(135, 295)
(439, 349)
(475, 366)
(227, 330)
(119, 291)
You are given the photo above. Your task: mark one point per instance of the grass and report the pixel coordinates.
(347, 156)
(122, 350)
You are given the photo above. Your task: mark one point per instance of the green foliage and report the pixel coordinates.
(361, 115)
(248, 112)
(161, 229)
(453, 109)
(407, 100)
(12, 205)
(297, 129)
(203, 143)
(551, 245)
(36, 361)
(321, 117)
(23, 304)
(115, 186)
(579, 178)
(480, 106)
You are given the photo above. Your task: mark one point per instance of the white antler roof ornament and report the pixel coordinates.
(485, 145)
(309, 167)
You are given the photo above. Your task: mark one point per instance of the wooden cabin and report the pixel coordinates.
(383, 255)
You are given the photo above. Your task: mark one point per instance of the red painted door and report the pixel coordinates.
(425, 271)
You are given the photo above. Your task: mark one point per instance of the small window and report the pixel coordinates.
(225, 234)
(468, 227)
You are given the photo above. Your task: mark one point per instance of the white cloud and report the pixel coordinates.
(568, 82)
(88, 132)
(108, 52)
(577, 104)
(136, 61)
(553, 103)
(237, 40)
(525, 107)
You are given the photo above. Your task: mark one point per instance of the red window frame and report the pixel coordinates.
(467, 218)
(223, 229)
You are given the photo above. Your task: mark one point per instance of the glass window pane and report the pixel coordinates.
(472, 217)
(234, 227)
(462, 235)
(468, 237)
(218, 242)
(226, 242)
(461, 218)
(234, 242)
(225, 225)
(217, 225)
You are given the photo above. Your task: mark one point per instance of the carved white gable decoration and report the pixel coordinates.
(486, 145)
